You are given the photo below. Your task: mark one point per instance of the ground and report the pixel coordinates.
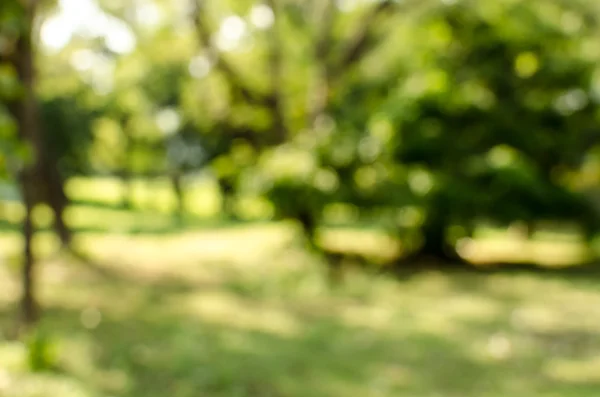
(245, 312)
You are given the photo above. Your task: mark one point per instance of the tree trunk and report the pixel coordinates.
(435, 250)
(42, 178)
(308, 224)
(126, 171)
(127, 192)
(309, 227)
(25, 113)
(58, 201)
(176, 182)
(29, 305)
(276, 73)
(434, 235)
(227, 194)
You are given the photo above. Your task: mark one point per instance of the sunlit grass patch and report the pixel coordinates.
(201, 196)
(361, 242)
(104, 190)
(574, 371)
(504, 248)
(116, 220)
(245, 245)
(44, 244)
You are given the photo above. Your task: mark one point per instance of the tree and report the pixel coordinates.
(500, 115)
(454, 113)
(23, 109)
(326, 59)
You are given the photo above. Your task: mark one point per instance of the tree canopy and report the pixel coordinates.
(456, 112)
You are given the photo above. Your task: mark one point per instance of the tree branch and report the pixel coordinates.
(319, 93)
(204, 35)
(276, 70)
(324, 35)
(362, 41)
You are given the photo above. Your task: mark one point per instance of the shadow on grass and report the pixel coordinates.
(143, 338)
(164, 354)
(149, 344)
(583, 271)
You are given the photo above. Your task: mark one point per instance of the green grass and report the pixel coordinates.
(244, 312)
(226, 312)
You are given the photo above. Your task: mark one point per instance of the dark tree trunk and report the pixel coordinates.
(58, 201)
(41, 179)
(435, 250)
(275, 101)
(530, 229)
(435, 244)
(29, 305)
(228, 199)
(177, 184)
(308, 223)
(309, 227)
(32, 185)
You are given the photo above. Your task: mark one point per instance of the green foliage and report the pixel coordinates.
(11, 150)
(11, 18)
(68, 131)
(41, 352)
(498, 110)
(488, 110)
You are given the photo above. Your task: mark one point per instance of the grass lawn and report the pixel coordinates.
(244, 312)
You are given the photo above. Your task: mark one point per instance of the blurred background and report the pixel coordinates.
(304, 198)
